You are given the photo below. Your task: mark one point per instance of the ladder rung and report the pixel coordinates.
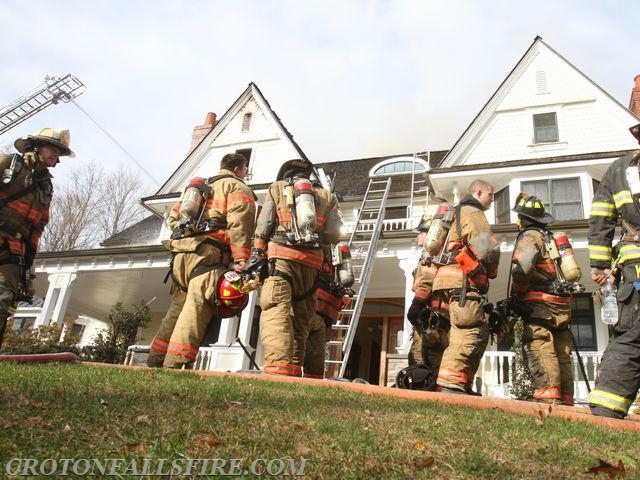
(334, 343)
(335, 362)
(340, 327)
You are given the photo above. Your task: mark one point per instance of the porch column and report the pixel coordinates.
(56, 300)
(408, 265)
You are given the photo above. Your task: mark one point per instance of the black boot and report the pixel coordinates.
(601, 411)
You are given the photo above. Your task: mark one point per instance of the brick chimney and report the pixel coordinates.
(201, 131)
(634, 103)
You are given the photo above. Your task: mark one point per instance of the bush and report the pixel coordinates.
(44, 339)
(111, 346)
(521, 383)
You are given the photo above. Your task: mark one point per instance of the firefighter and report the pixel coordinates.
(427, 313)
(297, 219)
(203, 248)
(617, 199)
(25, 196)
(331, 298)
(471, 256)
(546, 336)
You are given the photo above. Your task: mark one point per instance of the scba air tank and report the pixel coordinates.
(345, 267)
(191, 200)
(437, 234)
(568, 265)
(305, 201)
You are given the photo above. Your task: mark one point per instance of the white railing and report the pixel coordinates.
(395, 224)
(494, 373)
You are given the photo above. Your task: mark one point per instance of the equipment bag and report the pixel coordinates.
(417, 377)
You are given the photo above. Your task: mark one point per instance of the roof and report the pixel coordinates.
(144, 232)
(351, 177)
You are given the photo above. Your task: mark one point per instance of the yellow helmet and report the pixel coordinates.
(58, 138)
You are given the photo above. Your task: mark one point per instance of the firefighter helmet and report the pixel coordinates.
(58, 138)
(635, 131)
(532, 208)
(229, 298)
(297, 166)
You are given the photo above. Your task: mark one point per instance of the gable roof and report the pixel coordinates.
(180, 174)
(510, 97)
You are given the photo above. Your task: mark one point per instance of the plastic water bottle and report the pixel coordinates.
(609, 312)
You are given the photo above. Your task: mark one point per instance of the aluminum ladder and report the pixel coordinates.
(364, 245)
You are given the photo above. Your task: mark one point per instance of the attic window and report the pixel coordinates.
(246, 122)
(545, 128)
(399, 167)
(541, 82)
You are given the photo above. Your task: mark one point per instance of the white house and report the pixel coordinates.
(547, 130)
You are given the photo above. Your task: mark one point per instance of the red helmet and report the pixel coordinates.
(229, 298)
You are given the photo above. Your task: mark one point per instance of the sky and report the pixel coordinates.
(348, 78)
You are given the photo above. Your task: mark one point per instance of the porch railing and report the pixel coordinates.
(493, 378)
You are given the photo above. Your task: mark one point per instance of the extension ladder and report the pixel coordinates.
(364, 245)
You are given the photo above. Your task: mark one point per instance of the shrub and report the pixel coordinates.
(44, 339)
(521, 384)
(111, 346)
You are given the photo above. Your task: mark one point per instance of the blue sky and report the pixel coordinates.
(349, 78)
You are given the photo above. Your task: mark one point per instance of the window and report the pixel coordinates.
(399, 167)
(561, 197)
(246, 153)
(545, 128)
(77, 330)
(541, 82)
(391, 213)
(583, 324)
(501, 205)
(246, 122)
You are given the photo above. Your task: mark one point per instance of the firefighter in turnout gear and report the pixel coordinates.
(428, 313)
(298, 218)
(330, 300)
(617, 199)
(469, 259)
(203, 248)
(25, 195)
(537, 283)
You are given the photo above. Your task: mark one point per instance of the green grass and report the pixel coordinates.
(80, 411)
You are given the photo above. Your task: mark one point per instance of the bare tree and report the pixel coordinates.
(120, 194)
(90, 207)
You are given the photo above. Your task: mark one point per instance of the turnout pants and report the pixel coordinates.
(315, 353)
(285, 322)
(190, 312)
(9, 286)
(468, 340)
(619, 376)
(548, 352)
(428, 346)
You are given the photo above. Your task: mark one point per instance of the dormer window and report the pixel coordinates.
(389, 167)
(545, 128)
(246, 122)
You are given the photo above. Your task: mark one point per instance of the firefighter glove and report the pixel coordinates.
(414, 311)
(257, 263)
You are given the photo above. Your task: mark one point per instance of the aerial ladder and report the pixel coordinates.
(54, 90)
(364, 245)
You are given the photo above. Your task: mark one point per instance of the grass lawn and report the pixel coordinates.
(72, 411)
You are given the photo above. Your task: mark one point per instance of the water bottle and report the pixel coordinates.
(609, 312)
